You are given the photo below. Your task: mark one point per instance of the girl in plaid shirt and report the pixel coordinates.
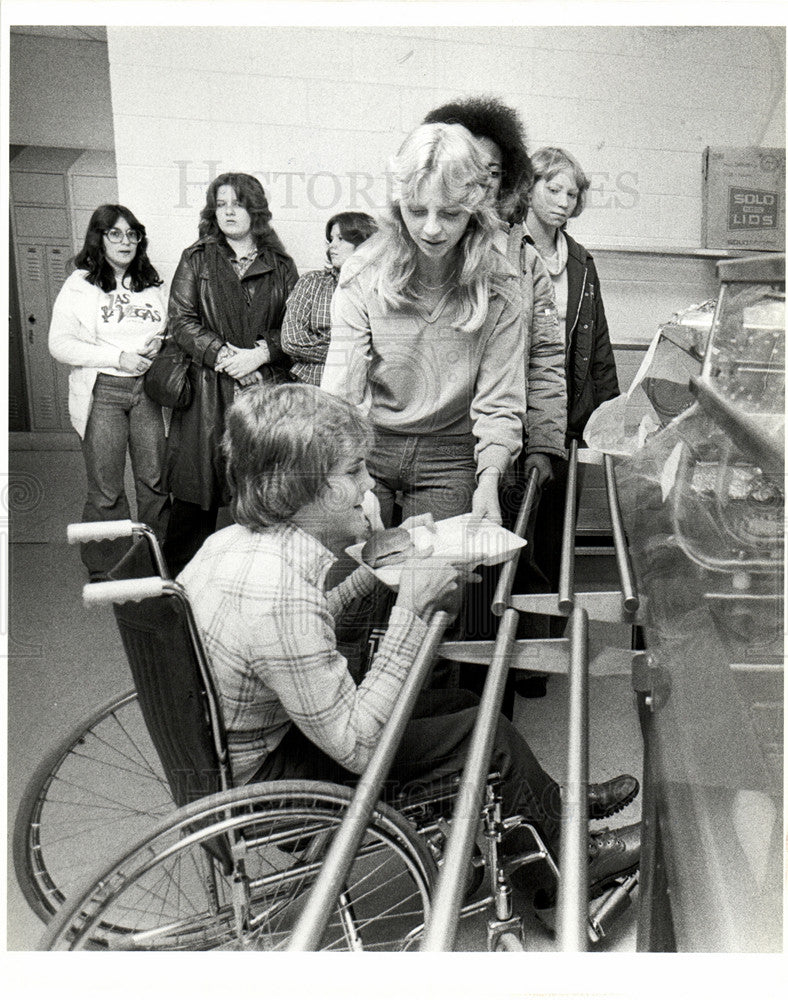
(306, 328)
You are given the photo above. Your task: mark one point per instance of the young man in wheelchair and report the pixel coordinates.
(296, 466)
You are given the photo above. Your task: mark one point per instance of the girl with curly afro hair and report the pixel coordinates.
(491, 119)
(500, 134)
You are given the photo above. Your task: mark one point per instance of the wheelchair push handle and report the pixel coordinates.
(118, 591)
(97, 531)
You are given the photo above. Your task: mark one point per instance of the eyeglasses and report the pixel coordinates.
(117, 235)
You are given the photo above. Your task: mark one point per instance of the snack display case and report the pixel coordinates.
(704, 507)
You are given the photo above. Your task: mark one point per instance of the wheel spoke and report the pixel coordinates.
(103, 787)
(162, 891)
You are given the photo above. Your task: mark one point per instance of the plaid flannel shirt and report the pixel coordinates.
(306, 327)
(268, 629)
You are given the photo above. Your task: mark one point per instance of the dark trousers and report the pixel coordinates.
(549, 525)
(188, 528)
(434, 746)
(547, 539)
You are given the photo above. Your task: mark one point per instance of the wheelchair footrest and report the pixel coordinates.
(603, 911)
(607, 908)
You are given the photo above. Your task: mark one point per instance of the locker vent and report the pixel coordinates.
(33, 264)
(57, 267)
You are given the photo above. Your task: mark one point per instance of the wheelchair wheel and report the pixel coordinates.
(170, 892)
(99, 789)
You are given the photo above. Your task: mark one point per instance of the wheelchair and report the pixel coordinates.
(143, 794)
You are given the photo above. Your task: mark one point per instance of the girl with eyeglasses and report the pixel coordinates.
(107, 324)
(227, 301)
(306, 328)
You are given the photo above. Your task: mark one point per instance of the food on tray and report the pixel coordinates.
(464, 541)
(385, 548)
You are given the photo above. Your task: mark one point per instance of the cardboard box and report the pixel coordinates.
(743, 198)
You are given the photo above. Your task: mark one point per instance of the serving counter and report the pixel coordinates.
(703, 503)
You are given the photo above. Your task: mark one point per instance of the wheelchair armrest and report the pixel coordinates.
(118, 591)
(96, 531)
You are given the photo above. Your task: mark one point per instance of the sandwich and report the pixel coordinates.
(385, 548)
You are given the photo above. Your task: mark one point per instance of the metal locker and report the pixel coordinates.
(39, 268)
(58, 269)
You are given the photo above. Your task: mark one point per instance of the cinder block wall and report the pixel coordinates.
(59, 93)
(316, 112)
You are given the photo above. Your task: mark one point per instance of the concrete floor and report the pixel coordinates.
(65, 660)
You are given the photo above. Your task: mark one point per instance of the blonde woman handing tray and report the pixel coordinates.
(426, 335)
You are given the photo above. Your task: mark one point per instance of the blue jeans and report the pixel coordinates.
(433, 474)
(122, 418)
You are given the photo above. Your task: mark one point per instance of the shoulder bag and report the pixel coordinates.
(167, 380)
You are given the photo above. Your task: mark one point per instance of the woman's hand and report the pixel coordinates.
(223, 355)
(243, 361)
(485, 497)
(152, 346)
(544, 467)
(419, 521)
(135, 364)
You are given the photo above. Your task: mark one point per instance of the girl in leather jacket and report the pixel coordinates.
(226, 306)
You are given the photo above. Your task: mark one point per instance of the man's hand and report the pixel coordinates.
(427, 586)
(485, 498)
(543, 465)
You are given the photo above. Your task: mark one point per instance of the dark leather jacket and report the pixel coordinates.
(194, 464)
(590, 367)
